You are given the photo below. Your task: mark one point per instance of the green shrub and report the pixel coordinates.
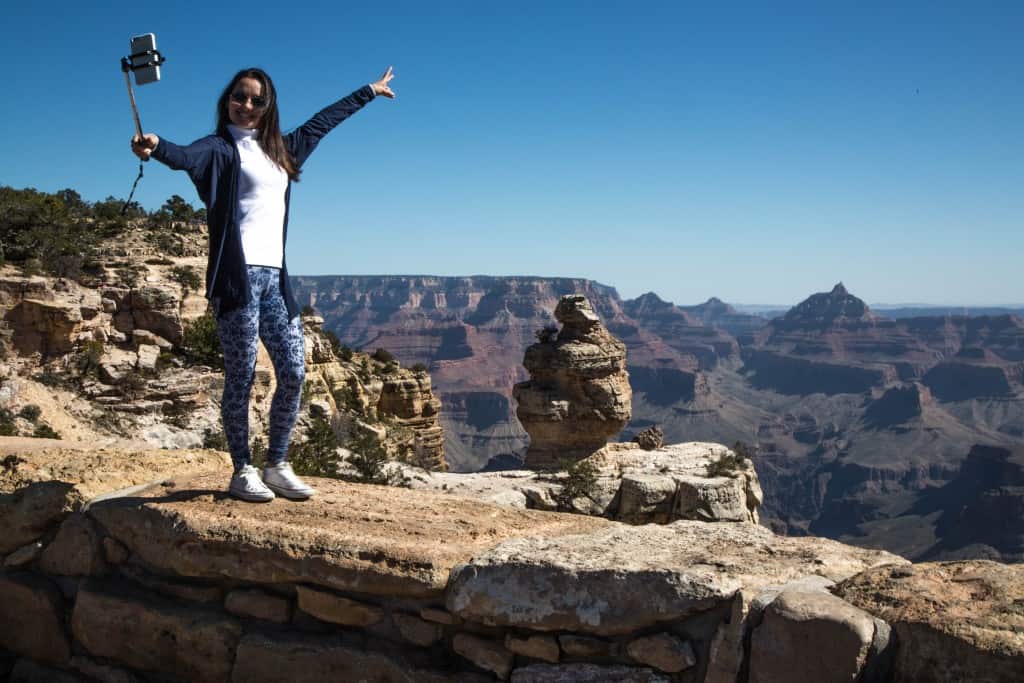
(346, 398)
(31, 412)
(580, 482)
(201, 343)
(546, 334)
(383, 355)
(744, 451)
(308, 310)
(214, 439)
(45, 431)
(335, 343)
(369, 459)
(728, 465)
(49, 378)
(318, 456)
(7, 426)
(57, 233)
(344, 352)
(419, 367)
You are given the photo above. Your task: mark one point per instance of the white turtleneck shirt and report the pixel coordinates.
(261, 188)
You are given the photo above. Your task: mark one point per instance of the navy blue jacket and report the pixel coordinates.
(213, 165)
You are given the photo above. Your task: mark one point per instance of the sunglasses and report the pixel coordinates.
(258, 101)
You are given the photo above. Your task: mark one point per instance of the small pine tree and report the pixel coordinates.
(580, 482)
(369, 459)
(318, 456)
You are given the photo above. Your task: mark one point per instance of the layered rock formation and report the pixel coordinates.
(169, 578)
(578, 394)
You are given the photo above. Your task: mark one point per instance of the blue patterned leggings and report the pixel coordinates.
(266, 316)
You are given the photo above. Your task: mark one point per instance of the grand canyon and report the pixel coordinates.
(899, 433)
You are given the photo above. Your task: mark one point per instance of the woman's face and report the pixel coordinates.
(246, 104)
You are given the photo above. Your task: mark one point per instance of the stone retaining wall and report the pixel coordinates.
(174, 581)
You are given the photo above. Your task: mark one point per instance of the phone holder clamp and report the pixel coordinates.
(127, 63)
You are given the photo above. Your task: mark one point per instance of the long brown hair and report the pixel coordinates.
(269, 135)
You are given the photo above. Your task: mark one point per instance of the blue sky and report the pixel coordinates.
(758, 152)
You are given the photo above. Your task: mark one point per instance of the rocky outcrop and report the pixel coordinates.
(650, 439)
(578, 393)
(632, 485)
(955, 621)
(380, 583)
(364, 394)
(897, 406)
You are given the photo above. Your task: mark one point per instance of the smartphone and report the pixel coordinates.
(144, 62)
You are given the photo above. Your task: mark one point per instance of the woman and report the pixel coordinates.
(243, 173)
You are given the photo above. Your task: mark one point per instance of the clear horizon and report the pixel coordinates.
(691, 151)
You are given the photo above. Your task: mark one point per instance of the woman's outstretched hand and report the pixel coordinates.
(381, 87)
(144, 147)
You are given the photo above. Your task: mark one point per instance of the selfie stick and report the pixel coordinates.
(144, 56)
(147, 59)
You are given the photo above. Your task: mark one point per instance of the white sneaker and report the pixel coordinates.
(246, 484)
(282, 481)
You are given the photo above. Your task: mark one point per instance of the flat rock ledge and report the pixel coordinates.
(954, 621)
(125, 580)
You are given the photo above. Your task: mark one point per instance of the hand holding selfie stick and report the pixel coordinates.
(144, 61)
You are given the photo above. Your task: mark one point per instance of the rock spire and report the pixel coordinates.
(578, 394)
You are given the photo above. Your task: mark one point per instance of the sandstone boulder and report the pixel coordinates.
(578, 394)
(953, 621)
(75, 551)
(663, 651)
(156, 308)
(810, 637)
(650, 439)
(486, 654)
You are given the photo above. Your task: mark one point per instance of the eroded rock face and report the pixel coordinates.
(578, 394)
(954, 621)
